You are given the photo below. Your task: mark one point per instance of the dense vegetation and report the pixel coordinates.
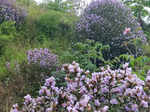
(110, 41)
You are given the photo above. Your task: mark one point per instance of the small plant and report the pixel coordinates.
(104, 91)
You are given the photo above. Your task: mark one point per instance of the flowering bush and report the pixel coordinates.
(42, 57)
(40, 64)
(104, 91)
(8, 12)
(22, 77)
(110, 22)
(7, 2)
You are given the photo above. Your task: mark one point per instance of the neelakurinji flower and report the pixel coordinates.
(28, 99)
(94, 92)
(42, 57)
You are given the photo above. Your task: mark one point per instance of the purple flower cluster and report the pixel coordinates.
(92, 92)
(42, 57)
(7, 2)
(8, 12)
(106, 20)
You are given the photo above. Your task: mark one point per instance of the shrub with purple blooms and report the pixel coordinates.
(39, 65)
(104, 91)
(109, 22)
(42, 57)
(27, 76)
(9, 12)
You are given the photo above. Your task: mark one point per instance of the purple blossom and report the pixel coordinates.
(144, 104)
(109, 22)
(42, 57)
(50, 82)
(114, 101)
(97, 103)
(84, 101)
(134, 108)
(28, 99)
(90, 93)
(9, 12)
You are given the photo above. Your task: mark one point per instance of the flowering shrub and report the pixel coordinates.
(22, 77)
(7, 2)
(110, 22)
(104, 91)
(42, 57)
(40, 64)
(8, 12)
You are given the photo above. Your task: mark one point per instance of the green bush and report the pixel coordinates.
(55, 24)
(139, 65)
(89, 54)
(7, 33)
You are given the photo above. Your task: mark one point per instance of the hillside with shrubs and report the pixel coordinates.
(56, 56)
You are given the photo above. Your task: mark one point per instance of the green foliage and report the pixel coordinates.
(138, 7)
(146, 49)
(16, 51)
(51, 25)
(60, 5)
(89, 54)
(140, 10)
(25, 3)
(140, 65)
(54, 24)
(7, 33)
(117, 62)
(7, 30)
(33, 76)
(12, 53)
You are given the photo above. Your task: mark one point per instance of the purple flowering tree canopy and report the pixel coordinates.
(10, 12)
(106, 21)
